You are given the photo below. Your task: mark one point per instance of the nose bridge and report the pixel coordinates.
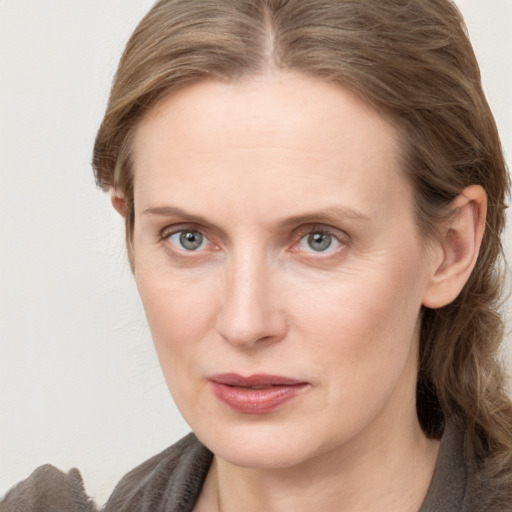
(249, 312)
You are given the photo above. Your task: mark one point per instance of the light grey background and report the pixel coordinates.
(79, 383)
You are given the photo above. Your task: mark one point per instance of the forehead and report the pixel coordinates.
(264, 134)
(267, 106)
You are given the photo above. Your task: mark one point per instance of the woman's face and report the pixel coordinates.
(280, 267)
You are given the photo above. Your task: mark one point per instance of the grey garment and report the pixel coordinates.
(168, 482)
(172, 480)
(451, 489)
(459, 483)
(48, 490)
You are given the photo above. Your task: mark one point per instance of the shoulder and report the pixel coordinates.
(462, 483)
(488, 490)
(48, 489)
(170, 480)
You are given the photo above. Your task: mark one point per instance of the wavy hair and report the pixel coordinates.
(412, 61)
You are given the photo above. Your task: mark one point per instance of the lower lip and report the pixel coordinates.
(256, 401)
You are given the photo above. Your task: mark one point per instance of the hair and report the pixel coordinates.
(412, 61)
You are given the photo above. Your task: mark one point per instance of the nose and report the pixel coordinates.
(250, 315)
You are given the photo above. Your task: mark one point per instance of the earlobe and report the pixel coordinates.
(458, 247)
(118, 201)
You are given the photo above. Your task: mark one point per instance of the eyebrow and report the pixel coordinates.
(328, 214)
(172, 211)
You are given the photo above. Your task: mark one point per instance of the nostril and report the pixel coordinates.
(248, 313)
(257, 333)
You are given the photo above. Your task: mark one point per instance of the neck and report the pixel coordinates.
(376, 473)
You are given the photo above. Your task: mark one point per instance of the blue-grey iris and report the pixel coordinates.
(191, 240)
(319, 241)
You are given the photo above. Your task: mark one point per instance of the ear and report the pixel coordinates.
(457, 248)
(118, 201)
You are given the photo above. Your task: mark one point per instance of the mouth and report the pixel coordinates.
(255, 394)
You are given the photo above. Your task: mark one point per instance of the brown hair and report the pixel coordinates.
(413, 62)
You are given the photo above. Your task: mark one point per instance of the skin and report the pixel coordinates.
(255, 167)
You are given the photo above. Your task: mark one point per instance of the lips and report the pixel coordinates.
(255, 394)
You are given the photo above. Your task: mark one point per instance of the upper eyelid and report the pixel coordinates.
(339, 234)
(168, 231)
(176, 220)
(307, 228)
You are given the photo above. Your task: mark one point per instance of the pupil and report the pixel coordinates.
(319, 241)
(191, 240)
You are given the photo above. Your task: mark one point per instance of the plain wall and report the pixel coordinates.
(79, 382)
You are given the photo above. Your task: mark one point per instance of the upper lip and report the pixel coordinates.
(260, 380)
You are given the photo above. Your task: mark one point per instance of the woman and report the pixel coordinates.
(314, 195)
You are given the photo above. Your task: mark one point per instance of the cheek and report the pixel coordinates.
(179, 318)
(360, 333)
(179, 314)
(365, 328)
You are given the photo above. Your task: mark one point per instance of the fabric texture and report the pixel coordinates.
(48, 490)
(168, 482)
(172, 480)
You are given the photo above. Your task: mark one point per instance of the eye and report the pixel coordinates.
(319, 242)
(188, 240)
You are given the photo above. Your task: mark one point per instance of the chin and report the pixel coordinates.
(259, 455)
(260, 446)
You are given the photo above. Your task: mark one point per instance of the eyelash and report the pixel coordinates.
(340, 237)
